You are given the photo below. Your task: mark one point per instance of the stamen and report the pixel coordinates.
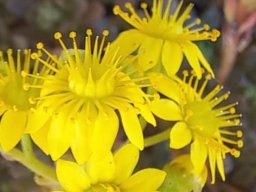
(35, 56)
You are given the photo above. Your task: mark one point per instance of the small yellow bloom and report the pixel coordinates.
(109, 173)
(82, 92)
(16, 106)
(163, 37)
(200, 119)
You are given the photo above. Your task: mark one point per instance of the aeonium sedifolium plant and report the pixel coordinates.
(75, 106)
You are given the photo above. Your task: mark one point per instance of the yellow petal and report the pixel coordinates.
(37, 118)
(149, 53)
(203, 61)
(166, 86)
(198, 155)
(71, 176)
(105, 131)
(191, 55)
(172, 57)
(180, 135)
(60, 135)
(100, 167)
(39, 137)
(146, 113)
(81, 141)
(166, 109)
(127, 42)
(126, 158)
(212, 162)
(220, 165)
(132, 127)
(148, 180)
(11, 128)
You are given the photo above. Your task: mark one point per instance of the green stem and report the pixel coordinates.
(33, 164)
(158, 138)
(27, 147)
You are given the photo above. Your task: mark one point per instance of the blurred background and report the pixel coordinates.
(25, 22)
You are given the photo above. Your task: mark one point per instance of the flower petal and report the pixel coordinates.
(220, 165)
(191, 55)
(166, 109)
(172, 57)
(39, 137)
(81, 141)
(166, 86)
(146, 113)
(126, 158)
(127, 42)
(105, 131)
(212, 162)
(147, 56)
(37, 118)
(180, 135)
(132, 127)
(198, 155)
(11, 128)
(100, 167)
(148, 180)
(60, 134)
(71, 176)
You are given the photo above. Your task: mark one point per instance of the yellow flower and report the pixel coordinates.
(82, 93)
(109, 173)
(16, 107)
(201, 119)
(163, 37)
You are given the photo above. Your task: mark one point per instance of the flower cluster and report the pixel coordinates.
(73, 105)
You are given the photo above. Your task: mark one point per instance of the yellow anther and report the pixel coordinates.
(89, 32)
(240, 143)
(39, 45)
(116, 9)
(23, 74)
(105, 33)
(185, 73)
(26, 86)
(239, 133)
(9, 51)
(128, 5)
(72, 34)
(198, 21)
(32, 100)
(34, 56)
(232, 110)
(144, 5)
(57, 35)
(206, 27)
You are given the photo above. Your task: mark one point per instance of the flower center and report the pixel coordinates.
(201, 118)
(14, 95)
(89, 85)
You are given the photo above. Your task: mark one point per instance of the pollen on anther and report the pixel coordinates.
(57, 35)
(239, 134)
(89, 32)
(105, 33)
(39, 45)
(72, 34)
(34, 56)
(116, 9)
(26, 86)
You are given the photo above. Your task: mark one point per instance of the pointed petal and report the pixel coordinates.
(191, 55)
(220, 165)
(105, 131)
(146, 113)
(212, 162)
(71, 176)
(149, 57)
(180, 135)
(203, 61)
(127, 42)
(166, 109)
(132, 127)
(39, 137)
(172, 57)
(166, 86)
(126, 158)
(100, 167)
(60, 135)
(198, 155)
(145, 180)
(11, 128)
